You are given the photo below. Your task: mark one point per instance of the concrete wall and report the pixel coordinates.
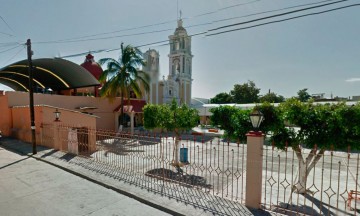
(104, 111)
(21, 123)
(5, 115)
(44, 119)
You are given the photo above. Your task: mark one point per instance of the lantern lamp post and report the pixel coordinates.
(256, 117)
(255, 142)
(57, 115)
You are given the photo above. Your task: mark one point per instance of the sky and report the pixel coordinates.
(320, 52)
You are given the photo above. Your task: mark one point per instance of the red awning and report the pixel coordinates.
(134, 106)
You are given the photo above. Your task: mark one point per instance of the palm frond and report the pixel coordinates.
(136, 88)
(123, 75)
(106, 60)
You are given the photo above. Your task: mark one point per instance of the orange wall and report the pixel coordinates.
(104, 112)
(21, 123)
(44, 115)
(68, 117)
(5, 116)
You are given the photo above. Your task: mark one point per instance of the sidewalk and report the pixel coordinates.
(68, 194)
(31, 187)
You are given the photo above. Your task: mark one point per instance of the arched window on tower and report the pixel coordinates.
(176, 45)
(175, 67)
(173, 45)
(183, 64)
(182, 43)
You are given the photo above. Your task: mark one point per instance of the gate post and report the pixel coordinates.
(255, 142)
(132, 115)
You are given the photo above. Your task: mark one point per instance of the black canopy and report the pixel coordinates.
(56, 74)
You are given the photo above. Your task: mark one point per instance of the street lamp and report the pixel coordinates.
(256, 117)
(57, 115)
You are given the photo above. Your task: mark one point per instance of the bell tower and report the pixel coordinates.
(152, 68)
(180, 65)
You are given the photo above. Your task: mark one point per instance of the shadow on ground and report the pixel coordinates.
(179, 177)
(322, 208)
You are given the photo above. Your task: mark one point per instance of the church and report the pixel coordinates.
(62, 86)
(178, 83)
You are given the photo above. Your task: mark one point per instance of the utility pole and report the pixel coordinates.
(31, 95)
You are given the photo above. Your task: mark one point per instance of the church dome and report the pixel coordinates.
(93, 67)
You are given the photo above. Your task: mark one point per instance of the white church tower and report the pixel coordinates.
(179, 83)
(153, 69)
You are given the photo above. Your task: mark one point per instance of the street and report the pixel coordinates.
(31, 187)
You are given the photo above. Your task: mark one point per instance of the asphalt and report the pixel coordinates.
(52, 183)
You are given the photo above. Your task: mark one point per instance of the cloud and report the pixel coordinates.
(353, 80)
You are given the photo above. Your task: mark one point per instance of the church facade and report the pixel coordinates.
(178, 83)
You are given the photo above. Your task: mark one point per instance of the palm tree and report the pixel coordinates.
(123, 75)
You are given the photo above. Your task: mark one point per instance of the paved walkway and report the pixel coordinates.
(68, 194)
(31, 187)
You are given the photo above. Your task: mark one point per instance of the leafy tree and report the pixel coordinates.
(223, 117)
(222, 98)
(272, 98)
(321, 127)
(122, 76)
(303, 95)
(171, 117)
(236, 122)
(318, 127)
(245, 93)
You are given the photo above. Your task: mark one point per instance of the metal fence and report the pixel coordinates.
(330, 189)
(213, 171)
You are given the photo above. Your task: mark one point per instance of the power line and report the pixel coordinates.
(146, 26)
(143, 45)
(277, 15)
(3, 51)
(224, 8)
(22, 48)
(7, 45)
(282, 20)
(104, 38)
(7, 34)
(128, 29)
(270, 11)
(254, 14)
(165, 30)
(6, 24)
(8, 42)
(207, 35)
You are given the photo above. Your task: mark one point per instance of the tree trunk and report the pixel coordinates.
(300, 186)
(176, 160)
(122, 110)
(305, 166)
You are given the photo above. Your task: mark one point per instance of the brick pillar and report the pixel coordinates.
(255, 142)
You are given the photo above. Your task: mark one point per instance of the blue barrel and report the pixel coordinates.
(184, 155)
